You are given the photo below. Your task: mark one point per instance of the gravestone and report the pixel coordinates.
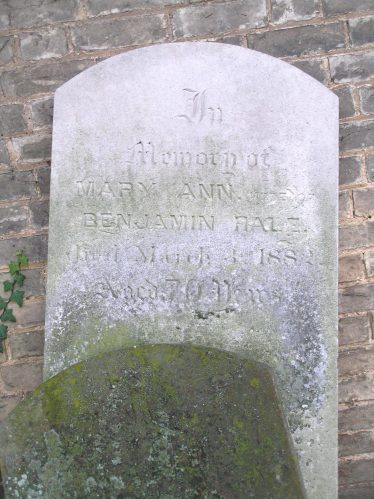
(194, 200)
(125, 425)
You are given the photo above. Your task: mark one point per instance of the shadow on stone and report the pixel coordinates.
(153, 421)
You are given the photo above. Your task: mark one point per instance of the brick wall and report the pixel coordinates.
(45, 43)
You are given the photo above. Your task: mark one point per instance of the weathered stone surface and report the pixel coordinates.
(21, 376)
(298, 41)
(345, 209)
(356, 471)
(356, 443)
(13, 218)
(33, 283)
(119, 33)
(370, 167)
(293, 10)
(14, 185)
(355, 361)
(33, 148)
(362, 30)
(11, 119)
(196, 233)
(6, 52)
(26, 344)
(205, 19)
(356, 135)
(313, 68)
(346, 106)
(42, 112)
(356, 388)
(351, 267)
(369, 263)
(43, 176)
(40, 79)
(363, 200)
(97, 7)
(232, 40)
(352, 67)
(4, 156)
(43, 44)
(30, 314)
(367, 99)
(22, 13)
(354, 330)
(39, 213)
(349, 170)
(355, 491)
(35, 248)
(356, 235)
(357, 418)
(127, 425)
(357, 298)
(332, 7)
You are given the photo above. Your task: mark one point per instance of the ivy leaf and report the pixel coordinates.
(7, 286)
(17, 297)
(8, 315)
(3, 330)
(13, 268)
(22, 259)
(2, 303)
(19, 278)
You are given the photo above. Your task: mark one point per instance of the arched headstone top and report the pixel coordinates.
(194, 200)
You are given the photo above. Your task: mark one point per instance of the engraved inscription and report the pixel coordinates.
(109, 222)
(284, 254)
(224, 189)
(197, 108)
(186, 293)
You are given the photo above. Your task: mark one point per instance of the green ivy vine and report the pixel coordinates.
(15, 295)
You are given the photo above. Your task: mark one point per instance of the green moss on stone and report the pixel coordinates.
(152, 421)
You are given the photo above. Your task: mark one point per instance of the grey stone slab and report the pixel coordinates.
(96, 431)
(17, 184)
(352, 67)
(370, 167)
(332, 7)
(362, 30)
(196, 202)
(34, 282)
(33, 148)
(353, 330)
(41, 78)
(13, 218)
(299, 41)
(11, 119)
(42, 112)
(349, 170)
(293, 10)
(100, 7)
(107, 34)
(367, 99)
(4, 156)
(43, 44)
(346, 105)
(6, 52)
(35, 247)
(205, 19)
(356, 135)
(22, 13)
(314, 68)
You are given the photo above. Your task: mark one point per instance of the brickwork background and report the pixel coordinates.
(45, 43)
